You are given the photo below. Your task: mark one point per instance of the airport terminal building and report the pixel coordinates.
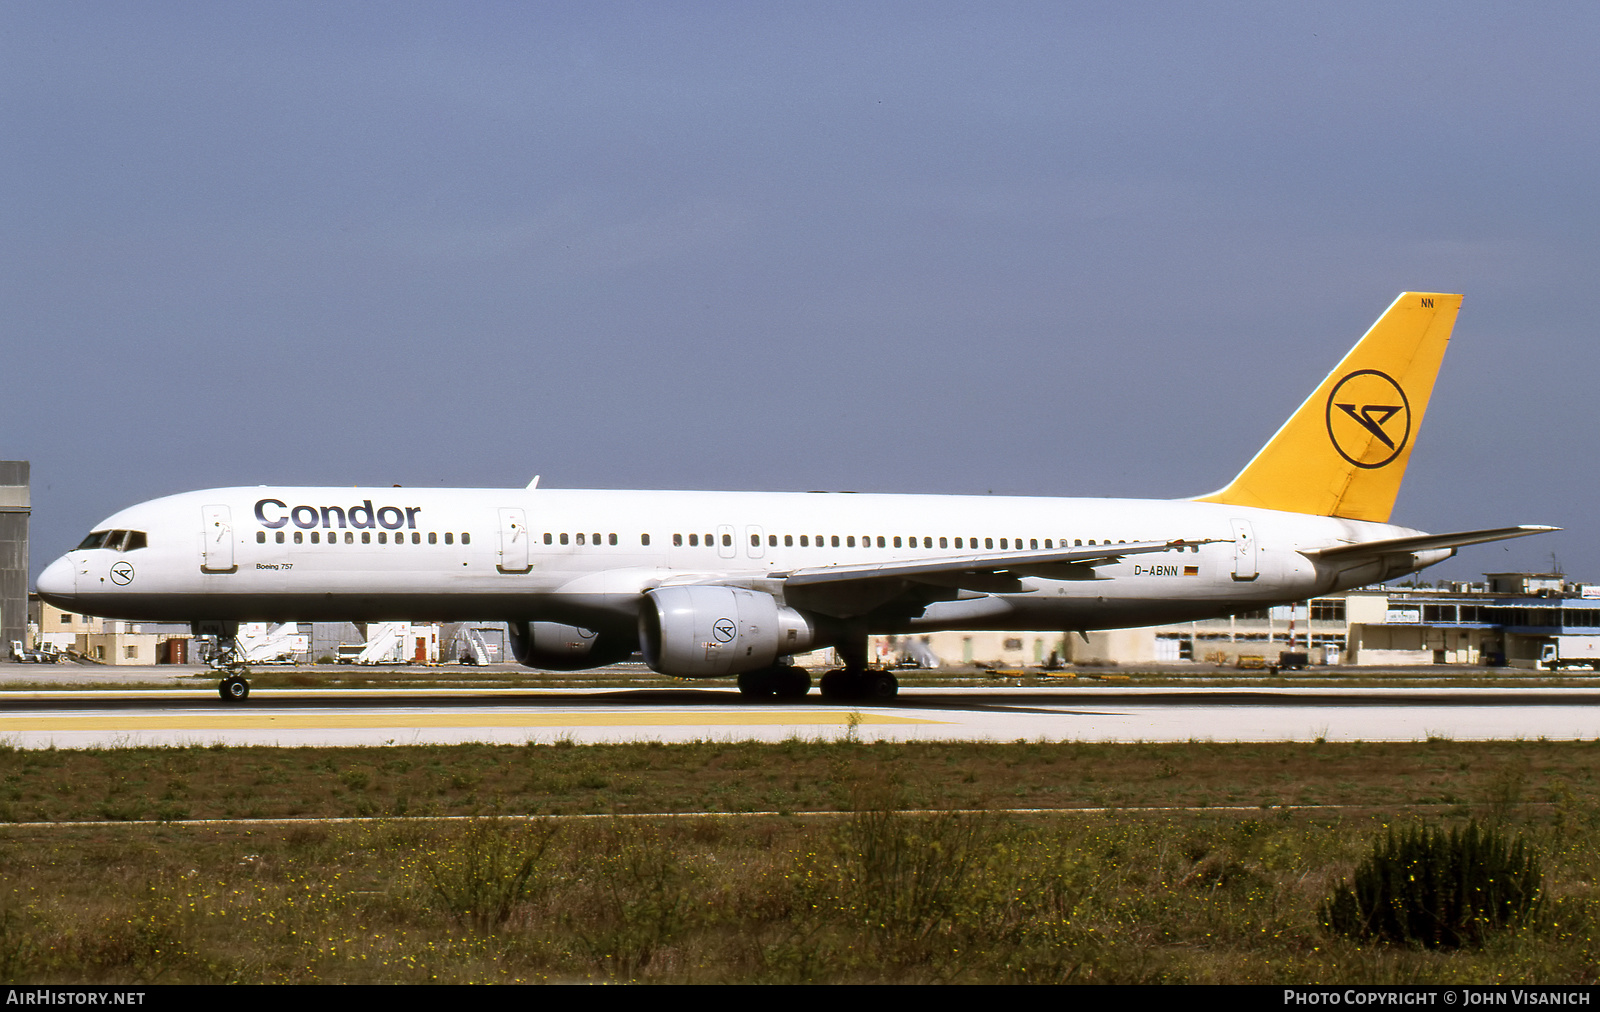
(1509, 619)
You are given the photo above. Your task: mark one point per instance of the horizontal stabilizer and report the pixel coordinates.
(1425, 542)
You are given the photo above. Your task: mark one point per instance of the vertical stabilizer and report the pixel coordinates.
(1345, 450)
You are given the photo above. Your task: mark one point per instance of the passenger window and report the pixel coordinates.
(298, 537)
(727, 541)
(881, 542)
(772, 541)
(850, 541)
(366, 537)
(755, 541)
(897, 541)
(944, 542)
(383, 538)
(450, 538)
(1003, 546)
(316, 537)
(466, 539)
(548, 538)
(805, 541)
(988, 543)
(563, 538)
(349, 537)
(788, 541)
(694, 541)
(580, 537)
(836, 541)
(644, 539)
(611, 539)
(278, 537)
(596, 540)
(433, 538)
(958, 542)
(261, 537)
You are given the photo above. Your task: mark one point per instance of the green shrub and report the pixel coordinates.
(1438, 889)
(480, 873)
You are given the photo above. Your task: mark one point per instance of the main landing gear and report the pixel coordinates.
(855, 681)
(234, 689)
(781, 683)
(844, 685)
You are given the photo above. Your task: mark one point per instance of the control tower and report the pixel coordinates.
(14, 510)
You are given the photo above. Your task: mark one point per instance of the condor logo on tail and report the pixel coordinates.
(1368, 418)
(1366, 411)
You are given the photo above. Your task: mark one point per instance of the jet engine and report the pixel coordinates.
(557, 647)
(706, 632)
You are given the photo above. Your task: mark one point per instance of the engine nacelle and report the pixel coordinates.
(557, 647)
(705, 632)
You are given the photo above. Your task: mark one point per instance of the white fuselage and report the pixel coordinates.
(586, 558)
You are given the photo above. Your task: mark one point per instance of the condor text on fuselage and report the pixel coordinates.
(273, 514)
(715, 584)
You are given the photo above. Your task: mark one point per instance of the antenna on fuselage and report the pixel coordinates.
(534, 483)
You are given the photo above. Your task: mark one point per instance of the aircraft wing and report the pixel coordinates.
(1424, 542)
(1068, 562)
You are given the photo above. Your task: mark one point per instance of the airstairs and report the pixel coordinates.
(469, 646)
(385, 643)
(261, 643)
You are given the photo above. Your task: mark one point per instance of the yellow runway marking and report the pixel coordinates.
(297, 721)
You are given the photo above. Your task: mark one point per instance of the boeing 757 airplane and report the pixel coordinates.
(717, 584)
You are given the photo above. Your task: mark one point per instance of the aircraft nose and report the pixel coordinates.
(59, 581)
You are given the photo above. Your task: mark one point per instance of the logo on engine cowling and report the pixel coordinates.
(724, 629)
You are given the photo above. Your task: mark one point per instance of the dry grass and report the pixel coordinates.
(1485, 778)
(875, 895)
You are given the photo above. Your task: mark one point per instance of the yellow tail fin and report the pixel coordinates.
(1343, 453)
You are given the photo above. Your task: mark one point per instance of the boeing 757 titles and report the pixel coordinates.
(717, 584)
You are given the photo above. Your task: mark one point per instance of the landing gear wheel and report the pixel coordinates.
(767, 684)
(792, 683)
(837, 685)
(843, 685)
(758, 686)
(234, 689)
(880, 685)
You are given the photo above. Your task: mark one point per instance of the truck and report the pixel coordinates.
(1570, 652)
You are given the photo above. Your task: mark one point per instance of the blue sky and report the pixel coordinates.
(1040, 249)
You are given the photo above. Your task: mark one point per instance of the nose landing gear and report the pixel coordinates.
(225, 656)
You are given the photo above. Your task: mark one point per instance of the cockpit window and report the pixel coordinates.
(121, 541)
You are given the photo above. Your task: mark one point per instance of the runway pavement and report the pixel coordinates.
(91, 718)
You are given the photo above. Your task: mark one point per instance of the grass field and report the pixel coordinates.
(870, 892)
